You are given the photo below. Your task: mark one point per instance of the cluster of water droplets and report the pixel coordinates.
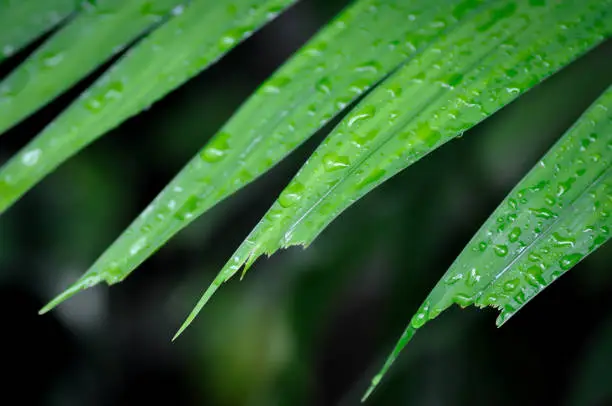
(358, 134)
(327, 85)
(559, 214)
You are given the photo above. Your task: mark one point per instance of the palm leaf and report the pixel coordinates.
(557, 215)
(458, 81)
(449, 67)
(165, 59)
(22, 21)
(85, 42)
(331, 71)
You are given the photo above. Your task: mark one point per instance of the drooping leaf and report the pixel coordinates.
(169, 56)
(465, 76)
(557, 215)
(93, 36)
(354, 52)
(23, 21)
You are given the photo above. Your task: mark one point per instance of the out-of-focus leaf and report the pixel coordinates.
(88, 40)
(203, 32)
(365, 43)
(558, 214)
(463, 77)
(22, 21)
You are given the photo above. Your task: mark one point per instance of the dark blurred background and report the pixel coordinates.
(306, 327)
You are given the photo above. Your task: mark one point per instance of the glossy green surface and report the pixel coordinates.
(85, 42)
(457, 65)
(463, 77)
(23, 21)
(557, 215)
(332, 70)
(196, 37)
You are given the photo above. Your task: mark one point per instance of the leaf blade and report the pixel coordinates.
(361, 152)
(162, 61)
(322, 64)
(548, 223)
(21, 22)
(94, 35)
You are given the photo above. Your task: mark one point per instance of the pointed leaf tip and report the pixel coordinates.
(201, 303)
(373, 386)
(407, 335)
(244, 256)
(81, 284)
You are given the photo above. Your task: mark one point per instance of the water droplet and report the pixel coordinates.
(490, 299)
(500, 250)
(227, 41)
(51, 59)
(395, 90)
(543, 213)
(103, 93)
(30, 158)
(473, 277)
(275, 84)
(324, 86)
(217, 148)
(513, 90)
(463, 300)
(533, 257)
(533, 276)
(550, 200)
(513, 204)
(8, 50)
(370, 67)
(138, 245)
(418, 77)
(364, 113)
(188, 209)
(514, 234)
(291, 195)
(333, 162)
(563, 187)
(453, 278)
(520, 298)
(315, 49)
(569, 261)
(360, 85)
(419, 319)
(373, 176)
(178, 10)
(561, 241)
(510, 285)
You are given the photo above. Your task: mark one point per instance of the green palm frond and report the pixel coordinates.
(411, 75)
(302, 96)
(192, 40)
(443, 92)
(556, 216)
(85, 42)
(21, 22)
